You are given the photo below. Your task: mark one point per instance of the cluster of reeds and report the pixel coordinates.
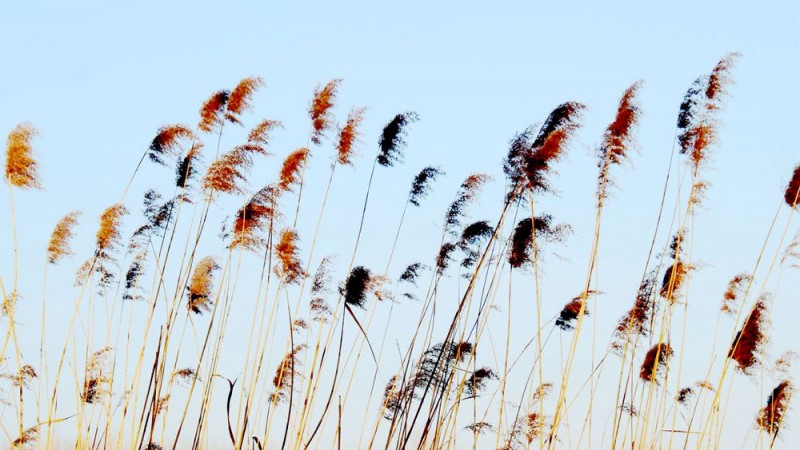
(172, 326)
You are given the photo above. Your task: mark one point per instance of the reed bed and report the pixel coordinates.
(232, 306)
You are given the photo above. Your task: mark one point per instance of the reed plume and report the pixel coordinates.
(784, 362)
(26, 440)
(59, 245)
(158, 213)
(254, 217)
(290, 268)
(438, 362)
(132, 277)
(183, 375)
(200, 286)
(684, 395)
(22, 171)
(569, 314)
(394, 397)
(109, 234)
(291, 168)
(734, 294)
(392, 141)
(468, 190)
(348, 136)
(771, 416)
(211, 113)
(283, 381)
(23, 378)
(696, 126)
(108, 237)
(320, 110)
(636, 322)
(444, 257)
(520, 251)
(357, 286)
(618, 137)
(186, 169)
(471, 240)
(322, 278)
(167, 142)
(655, 362)
(749, 342)
(673, 280)
(240, 97)
(477, 380)
(96, 379)
(792, 194)
(421, 186)
(228, 170)
(531, 154)
(412, 272)
(259, 136)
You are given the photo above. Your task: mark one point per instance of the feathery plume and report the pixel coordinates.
(356, 286)
(392, 140)
(480, 427)
(719, 79)
(254, 217)
(58, 247)
(283, 381)
(258, 138)
(225, 172)
(471, 239)
(290, 170)
(183, 375)
(477, 380)
(792, 194)
(530, 155)
(108, 236)
(132, 277)
(212, 109)
(394, 397)
(93, 385)
(200, 286)
(696, 127)
(771, 416)
(438, 362)
(684, 395)
(618, 137)
(186, 169)
(158, 213)
(673, 280)
(320, 109)
(749, 342)
(22, 170)
(23, 377)
(468, 190)
(784, 362)
(348, 136)
(167, 141)
(240, 97)
(322, 278)
(733, 295)
(655, 362)
(444, 257)
(412, 272)
(421, 185)
(636, 322)
(569, 314)
(27, 440)
(290, 269)
(522, 238)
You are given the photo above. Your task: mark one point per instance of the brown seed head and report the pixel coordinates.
(748, 345)
(200, 286)
(292, 166)
(240, 97)
(212, 109)
(22, 170)
(288, 254)
(58, 247)
(320, 109)
(348, 136)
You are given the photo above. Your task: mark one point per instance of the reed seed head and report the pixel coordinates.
(392, 141)
(58, 246)
(320, 109)
(22, 171)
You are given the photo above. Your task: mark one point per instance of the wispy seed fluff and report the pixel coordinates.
(59, 247)
(22, 171)
(320, 110)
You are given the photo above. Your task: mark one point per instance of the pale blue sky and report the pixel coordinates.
(98, 80)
